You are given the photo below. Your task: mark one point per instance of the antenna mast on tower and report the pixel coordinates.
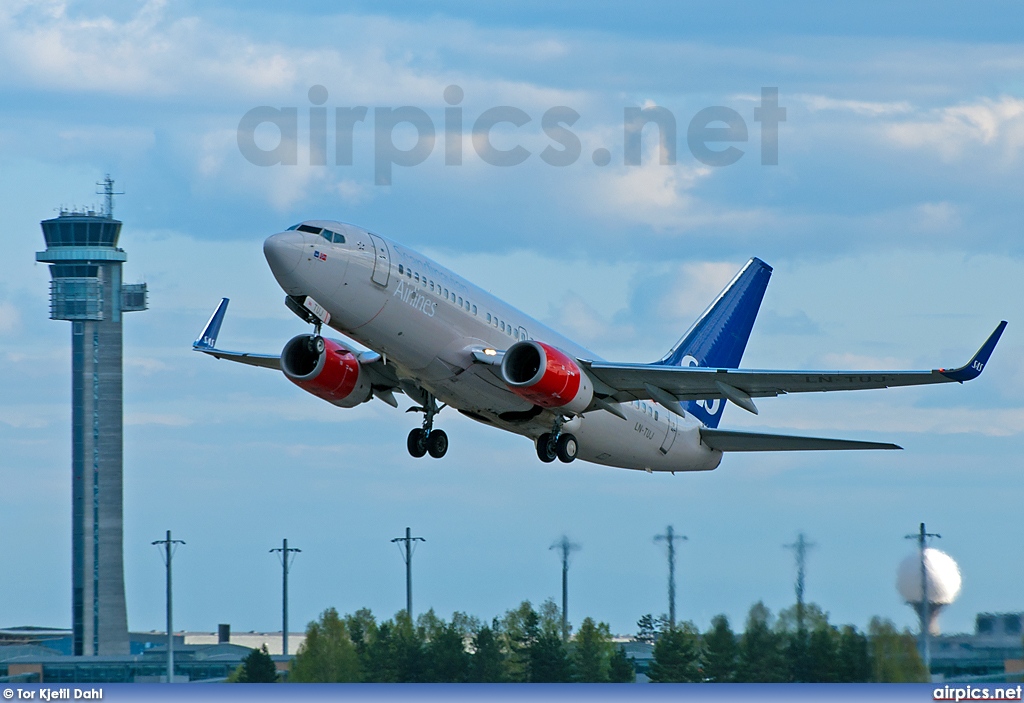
(108, 193)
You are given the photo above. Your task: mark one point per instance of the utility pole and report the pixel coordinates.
(407, 556)
(167, 556)
(565, 546)
(922, 542)
(800, 548)
(670, 537)
(284, 554)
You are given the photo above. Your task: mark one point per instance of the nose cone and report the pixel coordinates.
(284, 251)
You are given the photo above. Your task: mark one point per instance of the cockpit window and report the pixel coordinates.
(338, 238)
(293, 227)
(309, 229)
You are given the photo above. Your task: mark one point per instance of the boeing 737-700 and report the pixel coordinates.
(437, 338)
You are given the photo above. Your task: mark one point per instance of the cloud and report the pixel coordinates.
(955, 131)
(817, 103)
(10, 319)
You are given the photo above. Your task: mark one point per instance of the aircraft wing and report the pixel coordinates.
(207, 343)
(382, 376)
(667, 384)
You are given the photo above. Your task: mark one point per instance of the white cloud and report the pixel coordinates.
(954, 131)
(818, 103)
(10, 319)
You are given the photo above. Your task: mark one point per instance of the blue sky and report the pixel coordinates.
(891, 220)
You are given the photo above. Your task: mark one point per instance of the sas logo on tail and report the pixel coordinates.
(320, 255)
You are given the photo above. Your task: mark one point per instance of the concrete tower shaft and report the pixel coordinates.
(86, 289)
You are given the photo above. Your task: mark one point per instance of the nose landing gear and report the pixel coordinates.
(426, 440)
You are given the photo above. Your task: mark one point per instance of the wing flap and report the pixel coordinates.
(738, 441)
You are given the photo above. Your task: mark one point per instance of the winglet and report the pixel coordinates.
(208, 338)
(973, 368)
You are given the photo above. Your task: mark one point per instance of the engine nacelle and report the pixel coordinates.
(546, 377)
(333, 374)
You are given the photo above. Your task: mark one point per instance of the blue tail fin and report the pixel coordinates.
(719, 336)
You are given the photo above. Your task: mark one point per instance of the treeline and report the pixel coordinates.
(526, 645)
(786, 649)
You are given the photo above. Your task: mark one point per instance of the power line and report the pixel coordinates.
(168, 555)
(407, 556)
(565, 546)
(285, 553)
(800, 548)
(921, 536)
(670, 538)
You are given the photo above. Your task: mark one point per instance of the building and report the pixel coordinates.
(42, 655)
(995, 648)
(86, 289)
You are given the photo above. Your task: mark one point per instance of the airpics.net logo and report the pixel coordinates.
(711, 134)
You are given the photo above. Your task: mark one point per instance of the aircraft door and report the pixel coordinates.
(381, 261)
(670, 436)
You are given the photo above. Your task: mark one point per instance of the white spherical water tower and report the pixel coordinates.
(928, 580)
(942, 578)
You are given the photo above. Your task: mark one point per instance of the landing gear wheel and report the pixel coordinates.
(417, 443)
(437, 443)
(567, 448)
(545, 452)
(316, 344)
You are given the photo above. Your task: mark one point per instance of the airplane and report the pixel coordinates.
(437, 338)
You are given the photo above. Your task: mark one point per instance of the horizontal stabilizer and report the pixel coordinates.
(737, 441)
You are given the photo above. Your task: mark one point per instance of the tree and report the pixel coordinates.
(677, 656)
(258, 667)
(620, 668)
(592, 652)
(894, 655)
(362, 630)
(646, 630)
(487, 665)
(721, 651)
(822, 655)
(520, 630)
(854, 662)
(761, 659)
(549, 662)
(327, 655)
(447, 660)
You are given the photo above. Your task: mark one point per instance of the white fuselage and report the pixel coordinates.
(427, 322)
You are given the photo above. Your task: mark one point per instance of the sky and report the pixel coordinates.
(889, 220)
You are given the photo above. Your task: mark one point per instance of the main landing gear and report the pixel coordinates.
(426, 440)
(556, 444)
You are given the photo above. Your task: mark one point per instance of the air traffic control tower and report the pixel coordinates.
(86, 289)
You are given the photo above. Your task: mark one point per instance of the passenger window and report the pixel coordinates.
(417, 277)
(408, 272)
(460, 301)
(503, 326)
(446, 294)
(655, 414)
(474, 309)
(488, 317)
(431, 286)
(401, 269)
(467, 306)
